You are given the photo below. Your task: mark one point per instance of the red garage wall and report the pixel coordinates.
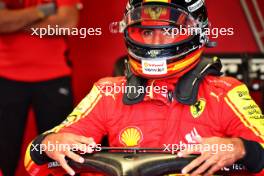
(94, 56)
(229, 14)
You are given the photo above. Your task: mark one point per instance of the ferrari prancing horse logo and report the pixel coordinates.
(198, 108)
(155, 12)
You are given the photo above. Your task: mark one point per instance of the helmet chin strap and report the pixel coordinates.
(186, 90)
(139, 83)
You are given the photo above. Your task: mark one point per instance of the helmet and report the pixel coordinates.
(164, 37)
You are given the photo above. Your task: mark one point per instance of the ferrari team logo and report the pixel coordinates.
(198, 108)
(155, 12)
(131, 136)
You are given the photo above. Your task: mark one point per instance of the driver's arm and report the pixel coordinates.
(243, 118)
(14, 20)
(240, 120)
(65, 16)
(88, 120)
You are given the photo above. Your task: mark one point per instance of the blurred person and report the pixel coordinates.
(33, 70)
(198, 105)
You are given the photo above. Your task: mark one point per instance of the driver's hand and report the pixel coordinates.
(68, 141)
(212, 160)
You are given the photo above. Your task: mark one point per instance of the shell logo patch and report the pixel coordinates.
(131, 136)
(198, 108)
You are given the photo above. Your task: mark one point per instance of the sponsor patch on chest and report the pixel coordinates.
(131, 136)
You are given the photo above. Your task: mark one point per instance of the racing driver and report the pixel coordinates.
(170, 95)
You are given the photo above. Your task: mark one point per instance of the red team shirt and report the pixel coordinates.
(24, 57)
(224, 109)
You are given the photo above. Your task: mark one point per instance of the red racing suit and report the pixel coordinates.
(224, 109)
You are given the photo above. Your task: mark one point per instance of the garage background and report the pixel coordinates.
(94, 57)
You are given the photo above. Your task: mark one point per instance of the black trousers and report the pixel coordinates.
(51, 101)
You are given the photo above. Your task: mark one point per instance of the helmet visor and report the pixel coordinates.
(156, 36)
(159, 15)
(159, 25)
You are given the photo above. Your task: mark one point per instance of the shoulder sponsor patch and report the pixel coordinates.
(246, 109)
(245, 104)
(86, 102)
(82, 109)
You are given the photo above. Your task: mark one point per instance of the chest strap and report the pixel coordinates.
(186, 90)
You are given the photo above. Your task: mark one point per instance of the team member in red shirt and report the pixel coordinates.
(33, 70)
(170, 95)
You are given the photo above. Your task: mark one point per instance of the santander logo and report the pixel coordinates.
(153, 65)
